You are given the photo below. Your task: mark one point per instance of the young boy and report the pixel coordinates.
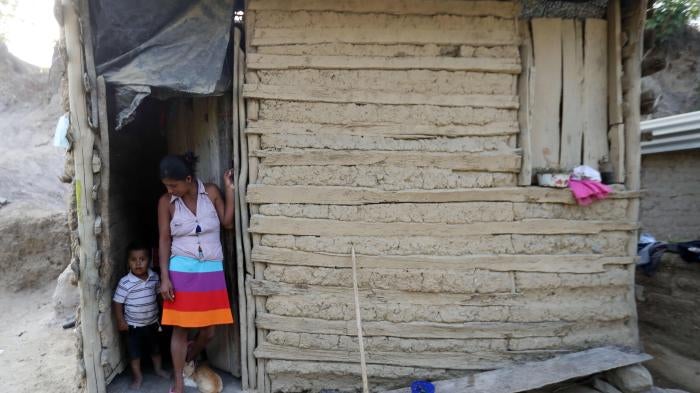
(136, 311)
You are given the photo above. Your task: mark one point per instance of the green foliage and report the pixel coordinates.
(671, 17)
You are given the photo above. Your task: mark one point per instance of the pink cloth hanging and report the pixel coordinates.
(588, 191)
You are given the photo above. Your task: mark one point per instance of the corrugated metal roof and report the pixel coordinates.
(672, 133)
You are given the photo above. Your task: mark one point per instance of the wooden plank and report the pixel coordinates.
(337, 195)
(534, 375)
(283, 62)
(572, 117)
(502, 9)
(595, 93)
(585, 263)
(356, 96)
(482, 161)
(525, 92)
(317, 227)
(372, 35)
(466, 330)
(89, 254)
(265, 127)
(546, 36)
(441, 360)
(614, 64)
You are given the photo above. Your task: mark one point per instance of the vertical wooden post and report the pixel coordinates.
(525, 110)
(243, 320)
(633, 18)
(83, 146)
(616, 132)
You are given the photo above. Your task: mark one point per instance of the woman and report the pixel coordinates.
(193, 285)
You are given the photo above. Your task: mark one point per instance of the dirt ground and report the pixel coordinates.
(36, 353)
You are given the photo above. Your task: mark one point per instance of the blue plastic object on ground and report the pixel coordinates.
(422, 387)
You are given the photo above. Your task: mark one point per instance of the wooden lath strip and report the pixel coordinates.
(418, 36)
(317, 227)
(464, 330)
(371, 297)
(442, 360)
(282, 62)
(573, 263)
(337, 195)
(355, 96)
(502, 9)
(389, 130)
(481, 161)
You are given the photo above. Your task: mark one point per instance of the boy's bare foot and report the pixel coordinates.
(136, 383)
(163, 374)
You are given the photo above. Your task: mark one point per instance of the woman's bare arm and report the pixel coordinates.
(164, 243)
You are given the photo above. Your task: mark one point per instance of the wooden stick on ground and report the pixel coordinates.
(358, 318)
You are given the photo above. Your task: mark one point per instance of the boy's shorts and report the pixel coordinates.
(142, 337)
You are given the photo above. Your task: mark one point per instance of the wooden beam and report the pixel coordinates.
(466, 330)
(574, 263)
(476, 35)
(483, 161)
(572, 117)
(501, 9)
(338, 195)
(546, 36)
(526, 94)
(441, 360)
(83, 145)
(356, 96)
(265, 127)
(534, 375)
(283, 62)
(315, 227)
(595, 93)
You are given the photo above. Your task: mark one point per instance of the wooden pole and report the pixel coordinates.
(633, 18)
(82, 152)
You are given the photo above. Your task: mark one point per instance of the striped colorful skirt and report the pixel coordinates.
(201, 298)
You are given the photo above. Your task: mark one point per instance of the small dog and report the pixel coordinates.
(203, 378)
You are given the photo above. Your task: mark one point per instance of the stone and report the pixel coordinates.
(631, 379)
(66, 296)
(578, 389)
(604, 387)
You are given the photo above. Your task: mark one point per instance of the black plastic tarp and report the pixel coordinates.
(161, 47)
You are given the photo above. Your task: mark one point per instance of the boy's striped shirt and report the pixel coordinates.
(139, 298)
